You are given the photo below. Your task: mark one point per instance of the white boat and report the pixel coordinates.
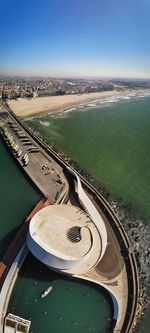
(46, 292)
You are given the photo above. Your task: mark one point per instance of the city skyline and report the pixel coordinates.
(63, 38)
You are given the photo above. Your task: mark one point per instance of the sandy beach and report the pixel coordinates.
(40, 105)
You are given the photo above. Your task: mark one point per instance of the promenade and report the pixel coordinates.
(45, 173)
(115, 267)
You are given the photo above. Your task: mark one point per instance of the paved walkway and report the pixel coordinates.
(41, 168)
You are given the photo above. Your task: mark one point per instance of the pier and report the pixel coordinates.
(115, 267)
(46, 174)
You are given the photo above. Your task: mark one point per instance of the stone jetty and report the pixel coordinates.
(138, 231)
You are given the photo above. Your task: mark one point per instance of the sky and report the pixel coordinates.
(75, 38)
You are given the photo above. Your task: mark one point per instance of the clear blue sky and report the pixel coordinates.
(75, 37)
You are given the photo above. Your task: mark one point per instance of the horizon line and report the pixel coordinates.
(73, 76)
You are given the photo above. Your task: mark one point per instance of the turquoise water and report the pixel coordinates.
(111, 142)
(17, 197)
(72, 306)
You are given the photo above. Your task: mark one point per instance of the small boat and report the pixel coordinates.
(46, 292)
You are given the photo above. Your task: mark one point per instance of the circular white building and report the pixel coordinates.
(64, 237)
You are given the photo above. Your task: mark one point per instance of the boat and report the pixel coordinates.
(46, 292)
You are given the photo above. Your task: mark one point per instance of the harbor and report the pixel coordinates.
(93, 267)
(72, 305)
(34, 278)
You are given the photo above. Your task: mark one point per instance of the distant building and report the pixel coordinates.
(35, 94)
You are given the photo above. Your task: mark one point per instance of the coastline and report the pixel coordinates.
(138, 234)
(40, 105)
(113, 204)
(135, 227)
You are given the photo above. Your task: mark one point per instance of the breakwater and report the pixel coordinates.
(139, 233)
(122, 237)
(130, 260)
(35, 277)
(111, 142)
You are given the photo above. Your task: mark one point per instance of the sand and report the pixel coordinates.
(40, 105)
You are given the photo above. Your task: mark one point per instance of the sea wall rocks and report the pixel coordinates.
(139, 233)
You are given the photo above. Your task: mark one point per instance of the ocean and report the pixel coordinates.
(109, 139)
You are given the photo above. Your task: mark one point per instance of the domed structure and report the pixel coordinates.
(64, 237)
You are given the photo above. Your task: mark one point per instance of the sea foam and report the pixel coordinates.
(44, 123)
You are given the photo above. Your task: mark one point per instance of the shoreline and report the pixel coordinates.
(141, 309)
(138, 233)
(42, 105)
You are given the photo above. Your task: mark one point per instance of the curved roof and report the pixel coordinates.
(62, 230)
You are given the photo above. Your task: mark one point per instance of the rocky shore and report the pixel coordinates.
(139, 234)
